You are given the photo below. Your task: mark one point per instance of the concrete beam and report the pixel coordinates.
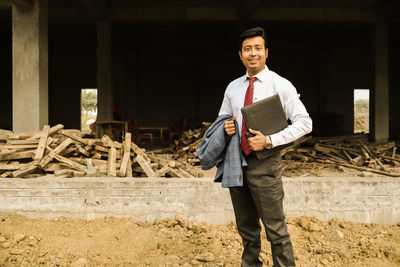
(247, 8)
(381, 93)
(225, 13)
(30, 67)
(20, 3)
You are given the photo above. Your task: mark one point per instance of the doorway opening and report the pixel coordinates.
(88, 109)
(361, 110)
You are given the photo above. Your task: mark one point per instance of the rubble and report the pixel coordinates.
(352, 151)
(64, 153)
(185, 148)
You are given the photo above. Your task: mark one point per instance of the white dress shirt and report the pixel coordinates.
(269, 83)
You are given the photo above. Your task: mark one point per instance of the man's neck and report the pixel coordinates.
(251, 74)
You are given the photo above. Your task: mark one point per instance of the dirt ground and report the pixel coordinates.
(113, 241)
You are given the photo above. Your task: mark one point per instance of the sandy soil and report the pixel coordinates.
(176, 242)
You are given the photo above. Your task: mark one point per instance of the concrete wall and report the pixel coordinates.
(370, 200)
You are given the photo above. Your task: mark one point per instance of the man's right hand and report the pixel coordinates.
(229, 126)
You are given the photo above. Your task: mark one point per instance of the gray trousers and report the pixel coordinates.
(261, 197)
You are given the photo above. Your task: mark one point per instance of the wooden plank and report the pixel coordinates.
(145, 166)
(23, 142)
(96, 156)
(101, 149)
(81, 150)
(42, 143)
(52, 130)
(140, 152)
(161, 172)
(10, 167)
(6, 174)
(111, 166)
(69, 173)
(22, 135)
(126, 156)
(52, 167)
(129, 169)
(74, 137)
(95, 162)
(26, 169)
(71, 163)
(17, 155)
(107, 141)
(54, 152)
(194, 171)
(176, 173)
(185, 173)
(18, 147)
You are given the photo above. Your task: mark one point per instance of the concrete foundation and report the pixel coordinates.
(368, 200)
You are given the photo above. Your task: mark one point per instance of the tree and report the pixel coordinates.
(89, 100)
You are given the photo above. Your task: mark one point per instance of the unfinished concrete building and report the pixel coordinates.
(160, 61)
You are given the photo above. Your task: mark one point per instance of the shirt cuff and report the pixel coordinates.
(277, 139)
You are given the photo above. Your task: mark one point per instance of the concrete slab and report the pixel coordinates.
(369, 200)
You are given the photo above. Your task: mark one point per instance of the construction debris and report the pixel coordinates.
(185, 148)
(64, 153)
(353, 151)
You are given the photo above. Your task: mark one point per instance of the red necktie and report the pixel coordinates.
(247, 101)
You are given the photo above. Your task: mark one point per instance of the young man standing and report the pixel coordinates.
(261, 196)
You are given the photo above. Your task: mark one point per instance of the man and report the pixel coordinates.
(261, 196)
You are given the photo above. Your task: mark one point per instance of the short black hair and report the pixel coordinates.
(250, 33)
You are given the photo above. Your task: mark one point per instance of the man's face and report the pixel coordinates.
(254, 54)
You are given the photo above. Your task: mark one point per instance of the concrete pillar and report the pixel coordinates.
(104, 78)
(30, 66)
(381, 94)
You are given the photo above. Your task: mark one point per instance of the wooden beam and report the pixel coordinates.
(42, 143)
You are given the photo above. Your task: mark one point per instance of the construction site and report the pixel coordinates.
(105, 103)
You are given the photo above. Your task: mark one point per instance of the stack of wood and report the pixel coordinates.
(352, 151)
(185, 149)
(64, 153)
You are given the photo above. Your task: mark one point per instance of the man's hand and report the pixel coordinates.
(256, 142)
(229, 126)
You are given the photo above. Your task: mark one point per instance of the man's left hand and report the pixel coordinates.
(256, 142)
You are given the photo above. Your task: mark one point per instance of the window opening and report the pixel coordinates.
(361, 110)
(88, 109)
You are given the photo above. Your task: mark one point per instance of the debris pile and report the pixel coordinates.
(185, 148)
(352, 151)
(64, 153)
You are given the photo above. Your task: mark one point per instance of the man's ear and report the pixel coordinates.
(266, 52)
(240, 54)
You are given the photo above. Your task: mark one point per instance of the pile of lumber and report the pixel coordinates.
(185, 148)
(55, 151)
(354, 151)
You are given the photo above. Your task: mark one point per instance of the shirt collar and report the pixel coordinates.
(261, 76)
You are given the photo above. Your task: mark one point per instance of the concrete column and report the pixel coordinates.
(30, 66)
(381, 96)
(104, 78)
